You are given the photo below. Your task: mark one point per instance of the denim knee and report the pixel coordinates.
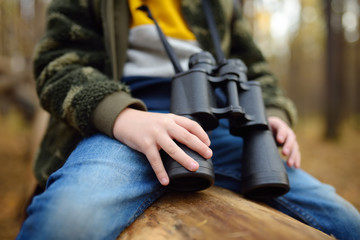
(101, 189)
(319, 206)
(72, 215)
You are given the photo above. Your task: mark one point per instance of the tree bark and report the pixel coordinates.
(334, 70)
(215, 213)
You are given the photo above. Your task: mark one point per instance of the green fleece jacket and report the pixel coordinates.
(74, 78)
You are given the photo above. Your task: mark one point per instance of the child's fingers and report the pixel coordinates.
(279, 129)
(176, 153)
(191, 141)
(286, 137)
(289, 143)
(157, 165)
(294, 159)
(194, 128)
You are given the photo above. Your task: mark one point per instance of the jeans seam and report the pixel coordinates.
(145, 204)
(303, 215)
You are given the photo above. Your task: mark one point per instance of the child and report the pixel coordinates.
(100, 160)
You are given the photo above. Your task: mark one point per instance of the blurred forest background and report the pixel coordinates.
(312, 46)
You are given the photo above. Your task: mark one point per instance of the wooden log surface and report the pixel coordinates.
(215, 213)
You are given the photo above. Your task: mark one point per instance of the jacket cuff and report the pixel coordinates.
(276, 112)
(110, 107)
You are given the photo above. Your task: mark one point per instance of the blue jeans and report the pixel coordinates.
(105, 185)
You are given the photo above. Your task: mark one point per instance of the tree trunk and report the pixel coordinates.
(215, 213)
(334, 69)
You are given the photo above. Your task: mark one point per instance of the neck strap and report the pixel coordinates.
(213, 31)
(169, 50)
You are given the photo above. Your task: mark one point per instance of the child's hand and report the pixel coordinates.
(286, 137)
(149, 132)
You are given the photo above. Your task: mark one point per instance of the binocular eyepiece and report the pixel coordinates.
(193, 96)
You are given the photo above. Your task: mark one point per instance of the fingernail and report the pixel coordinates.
(194, 166)
(164, 181)
(285, 151)
(209, 153)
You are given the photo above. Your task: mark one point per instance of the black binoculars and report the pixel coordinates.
(193, 96)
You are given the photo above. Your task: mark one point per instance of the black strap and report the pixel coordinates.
(169, 50)
(213, 31)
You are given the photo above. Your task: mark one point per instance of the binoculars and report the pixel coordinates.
(193, 96)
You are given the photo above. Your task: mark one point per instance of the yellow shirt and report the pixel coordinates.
(146, 55)
(166, 12)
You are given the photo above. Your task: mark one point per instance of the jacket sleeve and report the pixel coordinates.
(243, 47)
(70, 66)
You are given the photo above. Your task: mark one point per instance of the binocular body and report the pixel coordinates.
(193, 96)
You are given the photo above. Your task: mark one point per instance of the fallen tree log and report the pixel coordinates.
(215, 213)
